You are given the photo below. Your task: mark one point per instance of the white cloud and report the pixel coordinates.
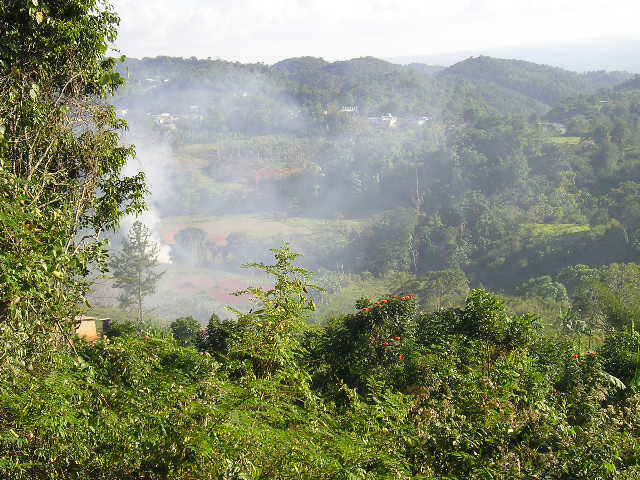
(270, 30)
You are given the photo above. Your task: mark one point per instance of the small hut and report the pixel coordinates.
(91, 328)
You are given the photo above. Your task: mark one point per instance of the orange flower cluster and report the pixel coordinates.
(390, 342)
(386, 344)
(378, 304)
(588, 352)
(382, 303)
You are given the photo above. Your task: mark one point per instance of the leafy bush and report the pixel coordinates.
(121, 328)
(186, 331)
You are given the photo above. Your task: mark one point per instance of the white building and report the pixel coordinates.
(384, 121)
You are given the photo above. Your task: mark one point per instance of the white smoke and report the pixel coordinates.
(155, 162)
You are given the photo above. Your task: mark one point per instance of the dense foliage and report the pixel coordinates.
(386, 392)
(61, 162)
(456, 184)
(433, 380)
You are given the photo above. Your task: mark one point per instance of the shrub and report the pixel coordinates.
(186, 331)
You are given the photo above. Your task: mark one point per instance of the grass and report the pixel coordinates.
(260, 226)
(249, 157)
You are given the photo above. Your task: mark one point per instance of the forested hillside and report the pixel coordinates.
(444, 182)
(516, 86)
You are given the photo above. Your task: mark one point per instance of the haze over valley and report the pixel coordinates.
(374, 168)
(319, 240)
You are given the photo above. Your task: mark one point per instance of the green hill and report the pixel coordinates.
(540, 83)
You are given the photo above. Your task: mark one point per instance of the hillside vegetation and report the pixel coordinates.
(450, 185)
(412, 195)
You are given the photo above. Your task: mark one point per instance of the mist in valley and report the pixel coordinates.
(374, 171)
(235, 165)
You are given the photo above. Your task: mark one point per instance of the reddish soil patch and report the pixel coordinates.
(219, 238)
(170, 231)
(192, 283)
(220, 290)
(223, 290)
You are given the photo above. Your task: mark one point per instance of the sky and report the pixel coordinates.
(271, 30)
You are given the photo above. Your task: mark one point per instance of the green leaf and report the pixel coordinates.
(635, 381)
(614, 380)
(33, 92)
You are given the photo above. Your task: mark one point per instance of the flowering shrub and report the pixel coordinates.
(459, 393)
(365, 344)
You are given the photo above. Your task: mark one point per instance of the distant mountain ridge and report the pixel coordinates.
(296, 92)
(540, 82)
(611, 54)
(505, 85)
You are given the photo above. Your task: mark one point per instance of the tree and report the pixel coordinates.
(64, 39)
(193, 247)
(186, 331)
(215, 338)
(440, 289)
(61, 161)
(575, 277)
(134, 268)
(544, 287)
(269, 336)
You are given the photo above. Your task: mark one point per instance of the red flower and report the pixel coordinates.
(385, 301)
(575, 355)
(401, 356)
(397, 338)
(386, 344)
(367, 309)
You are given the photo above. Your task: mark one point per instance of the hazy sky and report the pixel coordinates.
(271, 30)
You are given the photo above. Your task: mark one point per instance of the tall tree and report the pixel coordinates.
(61, 161)
(135, 267)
